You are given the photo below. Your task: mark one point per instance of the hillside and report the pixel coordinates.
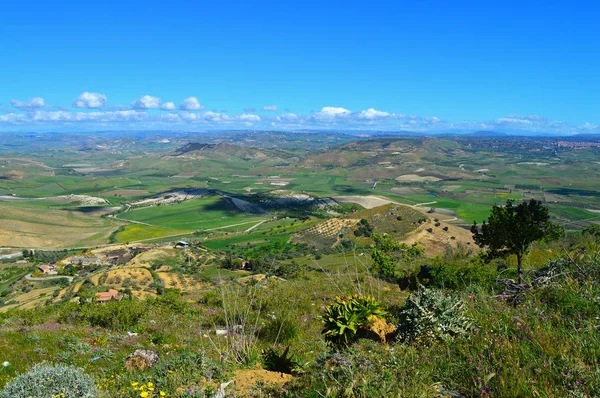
(224, 150)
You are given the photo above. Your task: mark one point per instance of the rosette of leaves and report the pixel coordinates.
(346, 317)
(432, 315)
(281, 362)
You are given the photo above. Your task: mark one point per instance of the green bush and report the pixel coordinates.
(116, 315)
(460, 275)
(279, 330)
(432, 315)
(49, 381)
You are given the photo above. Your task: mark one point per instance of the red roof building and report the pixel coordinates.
(48, 269)
(104, 297)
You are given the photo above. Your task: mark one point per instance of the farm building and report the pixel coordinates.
(104, 297)
(48, 269)
(182, 244)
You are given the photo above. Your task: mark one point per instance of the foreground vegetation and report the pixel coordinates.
(455, 330)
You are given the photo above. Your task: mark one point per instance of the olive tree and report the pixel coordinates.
(512, 229)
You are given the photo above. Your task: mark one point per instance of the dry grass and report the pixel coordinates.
(435, 242)
(179, 281)
(146, 259)
(40, 227)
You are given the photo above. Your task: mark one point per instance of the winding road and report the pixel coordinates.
(31, 278)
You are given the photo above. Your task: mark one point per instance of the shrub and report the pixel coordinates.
(116, 315)
(282, 331)
(460, 275)
(346, 317)
(46, 381)
(432, 315)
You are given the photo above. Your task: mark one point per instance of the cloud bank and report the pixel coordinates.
(90, 110)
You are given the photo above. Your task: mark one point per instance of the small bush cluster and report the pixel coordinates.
(49, 381)
(432, 315)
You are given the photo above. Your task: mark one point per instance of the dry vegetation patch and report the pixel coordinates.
(246, 379)
(436, 241)
(179, 281)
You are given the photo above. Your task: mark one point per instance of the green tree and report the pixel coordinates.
(511, 230)
(387, 253)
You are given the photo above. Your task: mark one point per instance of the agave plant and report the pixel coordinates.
(284, 362)
(347, 316)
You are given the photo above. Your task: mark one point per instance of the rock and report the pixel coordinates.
(141, 359)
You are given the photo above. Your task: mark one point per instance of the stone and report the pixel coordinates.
(141, 359)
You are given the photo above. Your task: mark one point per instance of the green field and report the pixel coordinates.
(198, 214)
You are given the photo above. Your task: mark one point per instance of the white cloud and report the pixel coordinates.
(35, 102)
(215, 117)
(92, 117)
(191, 104)
(372, 114)
(330, 113)
(334, 111)
(146, 102)
(248, 117)
(34, 113)
(168, 106)
(287, 117)
(13, 118)
(90, 100)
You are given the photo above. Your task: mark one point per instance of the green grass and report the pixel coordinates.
(198, 214)
(136, 232)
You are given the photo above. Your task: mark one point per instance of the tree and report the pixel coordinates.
(511, 230)
(387, 253)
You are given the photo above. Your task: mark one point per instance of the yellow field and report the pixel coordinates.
(146, 259)
(31, 299)
(40, 227)
(134, 278)
(179, 281)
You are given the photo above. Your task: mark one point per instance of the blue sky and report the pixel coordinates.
(418, 65)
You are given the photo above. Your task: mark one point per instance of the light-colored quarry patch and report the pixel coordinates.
(417, 178)
(368, 202)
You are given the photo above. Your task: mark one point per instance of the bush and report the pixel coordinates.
(459, 275)
(281, 331)
(115, 315)
(46, 381)
(432, 315)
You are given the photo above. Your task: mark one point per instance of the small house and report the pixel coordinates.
(48, 269)
(104, 297)
(182, 244)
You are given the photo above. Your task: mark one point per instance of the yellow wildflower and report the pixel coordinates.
(144, 394)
